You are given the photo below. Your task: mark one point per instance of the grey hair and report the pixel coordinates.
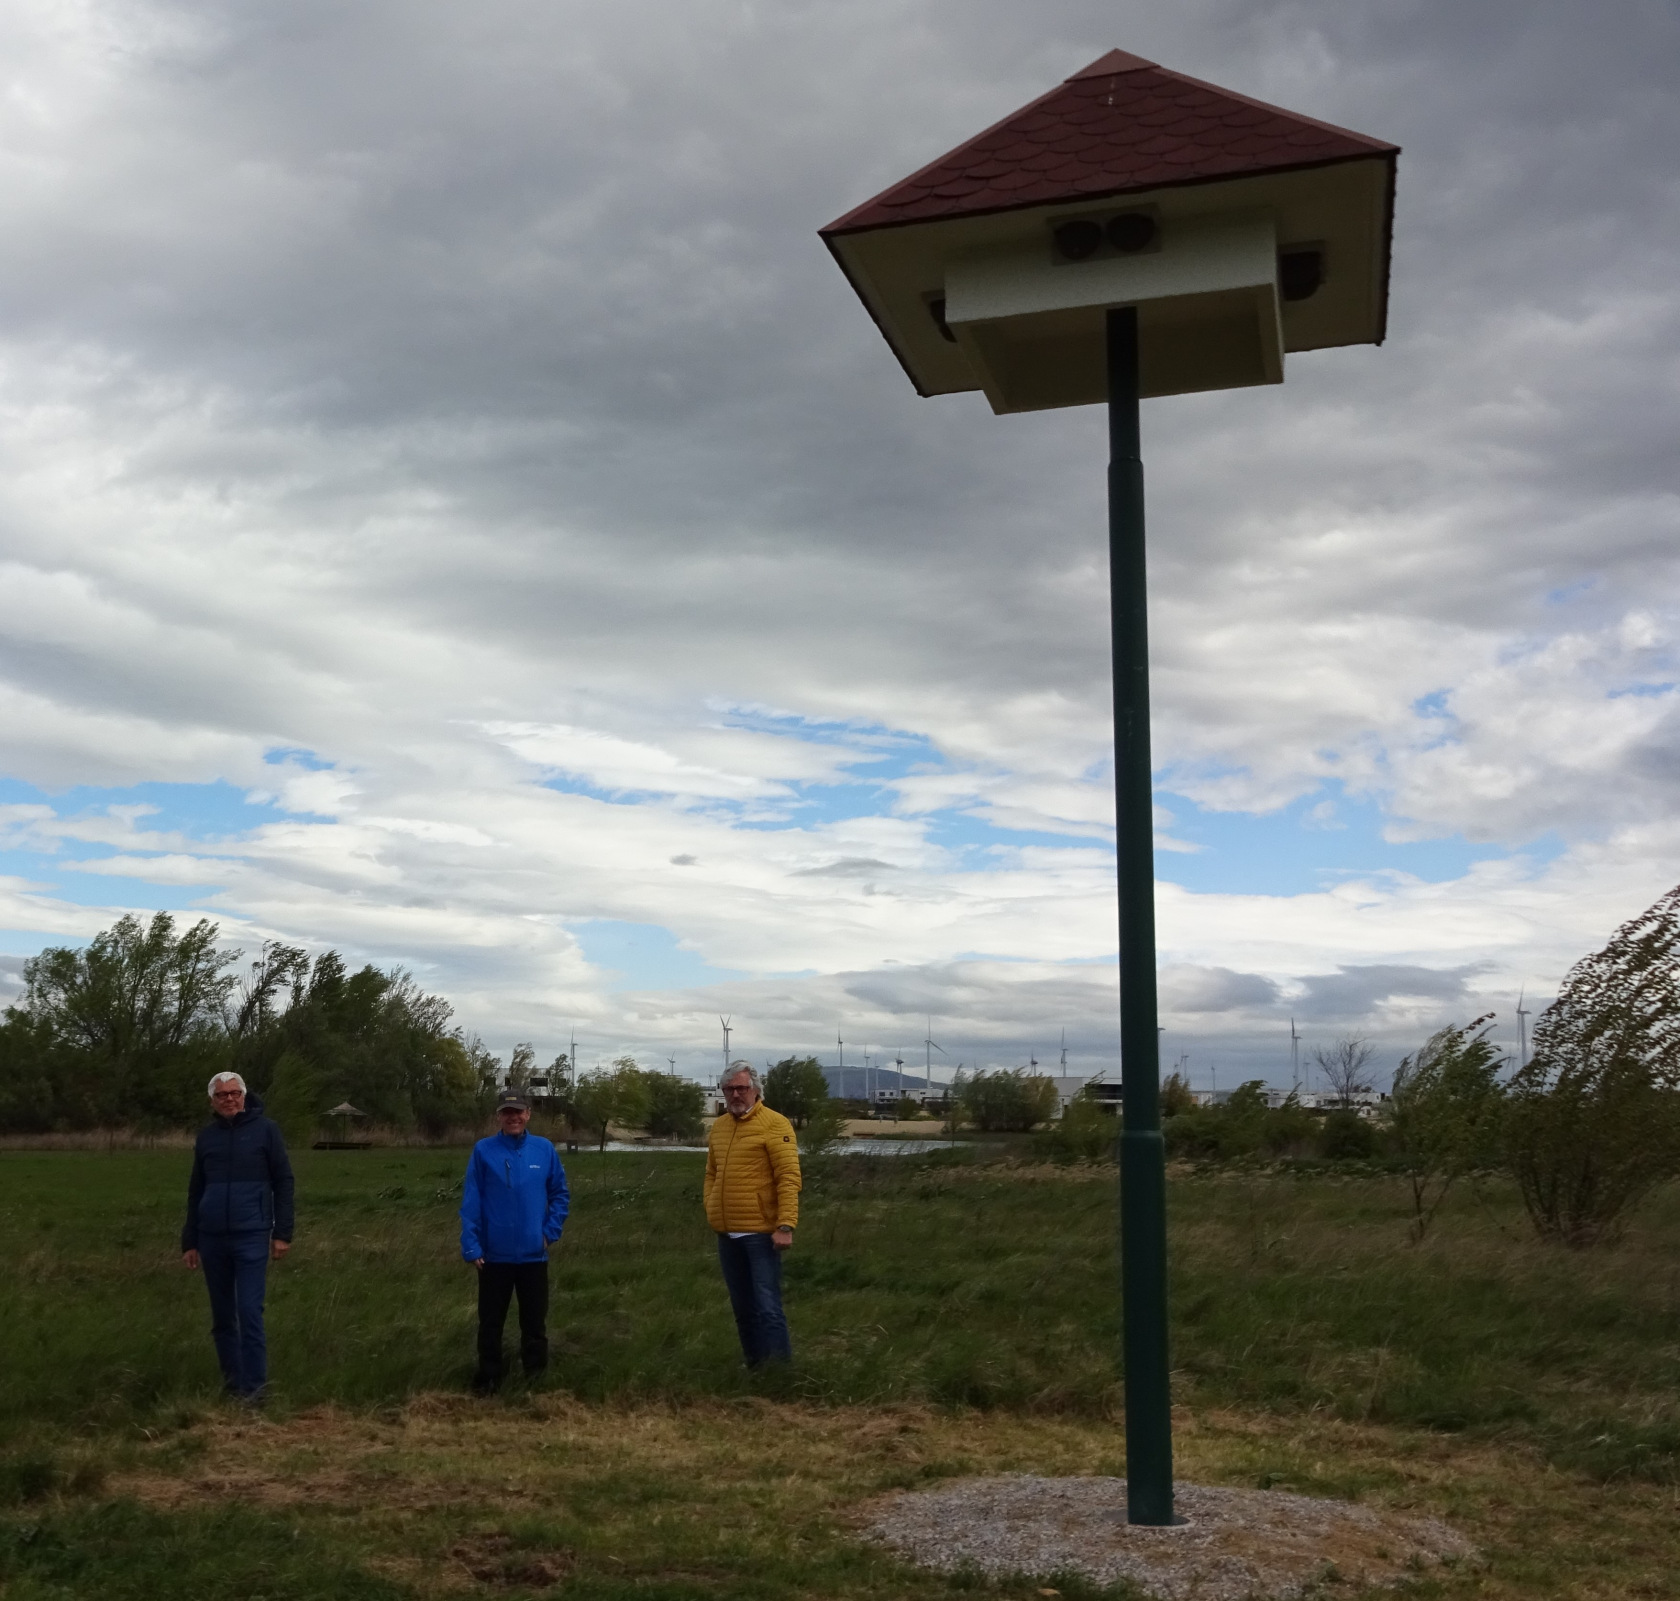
(736, 1069)
(222, 1078)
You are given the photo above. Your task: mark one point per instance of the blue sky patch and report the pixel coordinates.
(1307, 846)
(644, 956)
(295, 756)
(213, 811)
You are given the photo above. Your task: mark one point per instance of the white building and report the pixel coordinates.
(1068, 1086)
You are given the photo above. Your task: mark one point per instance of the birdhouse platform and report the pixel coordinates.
(1241, 232)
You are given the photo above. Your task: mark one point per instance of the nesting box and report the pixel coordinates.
(1239, 231)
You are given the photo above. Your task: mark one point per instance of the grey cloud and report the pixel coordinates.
(847, 867)
(1354, 993)
(1188, 990)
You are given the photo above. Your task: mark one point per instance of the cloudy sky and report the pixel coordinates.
(452, 509)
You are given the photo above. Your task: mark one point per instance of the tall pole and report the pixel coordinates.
(1143, 1170)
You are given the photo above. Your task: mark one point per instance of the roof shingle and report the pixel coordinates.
(1122, 124)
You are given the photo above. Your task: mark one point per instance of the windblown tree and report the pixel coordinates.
(1594, 1119)
(1445, 1114)
(127, 1027)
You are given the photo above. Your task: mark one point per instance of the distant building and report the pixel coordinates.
(1104, 1091)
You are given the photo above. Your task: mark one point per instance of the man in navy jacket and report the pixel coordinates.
(239, 1211)
(513, 1206)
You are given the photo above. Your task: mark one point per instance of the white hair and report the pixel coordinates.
(222, 1078)
(736, 1069)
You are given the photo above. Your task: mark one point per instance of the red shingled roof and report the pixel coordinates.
(1122, 125)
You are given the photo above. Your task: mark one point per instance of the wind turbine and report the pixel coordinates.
(898, 1064)
(927, 1072)
(840, 1046)
(673, 1061)
(1064, 1053)
(1294, 1057)
(726, 1033)
(1522, 1029)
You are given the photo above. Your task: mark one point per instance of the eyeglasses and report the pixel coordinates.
(226, 1095)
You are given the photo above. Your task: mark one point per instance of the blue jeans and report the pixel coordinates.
(236, 1275)
(752, 1269)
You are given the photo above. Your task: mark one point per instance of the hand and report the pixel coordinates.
(280, 1248)
(478, 1261)
(190, 1258)
(782, 1238)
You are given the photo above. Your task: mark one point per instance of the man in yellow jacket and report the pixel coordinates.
(752, 1200)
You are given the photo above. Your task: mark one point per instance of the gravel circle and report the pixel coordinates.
(1235, 1544)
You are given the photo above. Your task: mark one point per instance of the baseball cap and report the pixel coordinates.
(512, 1100)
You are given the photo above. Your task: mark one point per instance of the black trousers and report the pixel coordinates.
(498, 1283)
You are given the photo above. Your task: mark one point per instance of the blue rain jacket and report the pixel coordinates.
(241, 1178)
(514, 1199)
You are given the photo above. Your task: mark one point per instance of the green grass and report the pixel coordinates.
(949, 1281)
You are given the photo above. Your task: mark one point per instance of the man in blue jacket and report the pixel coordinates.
(513, 1207)
(239, 1212)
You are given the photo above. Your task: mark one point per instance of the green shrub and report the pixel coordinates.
(676, 1107)
(1346, 1136)
(1242, 1126)
(1086, 1132)
(796, 1086)
(1007, 1102)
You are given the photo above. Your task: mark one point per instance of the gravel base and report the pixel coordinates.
(1236, 1544)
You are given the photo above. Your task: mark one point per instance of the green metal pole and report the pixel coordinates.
(1143, 1171)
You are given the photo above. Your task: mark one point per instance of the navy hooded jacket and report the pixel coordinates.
(241, 1179)
(514, 1199)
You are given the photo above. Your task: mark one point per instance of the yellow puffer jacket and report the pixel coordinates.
(752, 1173)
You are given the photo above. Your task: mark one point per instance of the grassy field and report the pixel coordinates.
(951, 1314)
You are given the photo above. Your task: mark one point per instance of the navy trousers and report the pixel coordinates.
(498, 1283)
(752, 1269)
(235, 1270)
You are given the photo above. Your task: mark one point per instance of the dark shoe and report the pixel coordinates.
(485, 1384)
